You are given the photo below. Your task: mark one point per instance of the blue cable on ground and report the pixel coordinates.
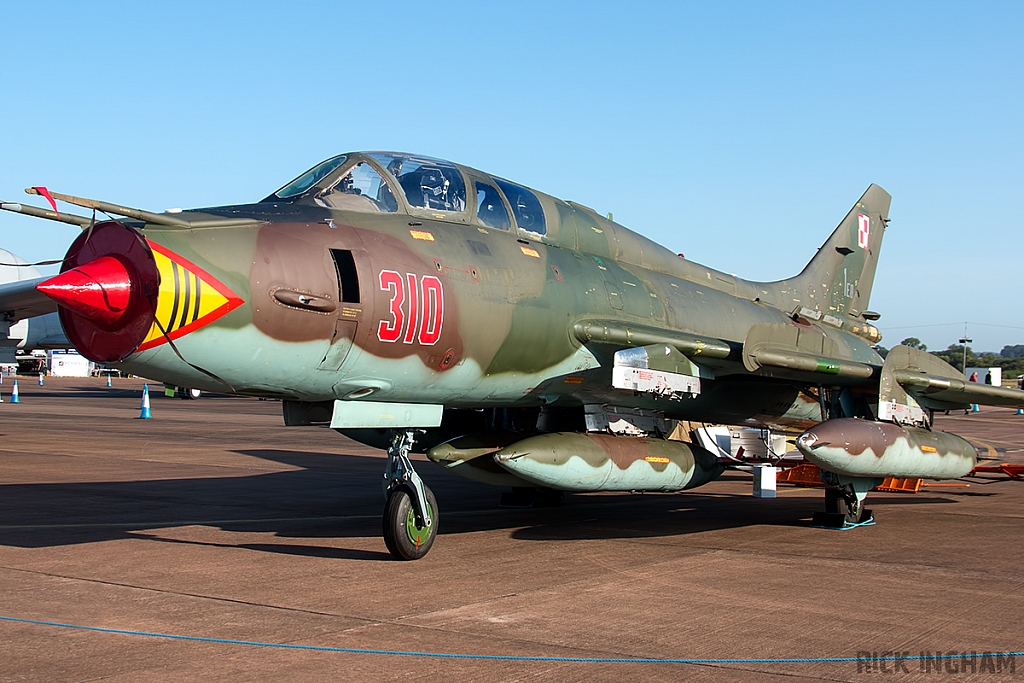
(458, 655)
(847, 525)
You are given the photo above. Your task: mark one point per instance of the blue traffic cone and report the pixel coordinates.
(40, 379)
(14, 393)
(1020, 411)
(108, 379)
(975, 408)
(145, 415)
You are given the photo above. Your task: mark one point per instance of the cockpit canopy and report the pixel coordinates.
(430, 190)
(395, 182)
(427, 183)
(309, 178)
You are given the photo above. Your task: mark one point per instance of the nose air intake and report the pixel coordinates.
(106, 291)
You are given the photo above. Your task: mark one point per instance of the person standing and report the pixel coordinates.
(972, 378)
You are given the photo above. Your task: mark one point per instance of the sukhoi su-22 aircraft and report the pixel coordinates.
(516, 338)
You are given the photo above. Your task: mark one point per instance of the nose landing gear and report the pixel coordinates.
(410, 515)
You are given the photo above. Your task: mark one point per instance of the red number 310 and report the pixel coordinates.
(426, 307)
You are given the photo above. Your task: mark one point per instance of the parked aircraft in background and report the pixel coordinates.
(27, 334)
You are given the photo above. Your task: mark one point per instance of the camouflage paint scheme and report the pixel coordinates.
(511, 299)
(604, 462)
(859, 448)
(507, 313)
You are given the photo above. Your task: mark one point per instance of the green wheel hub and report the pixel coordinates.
(405, 539)
(417, 534)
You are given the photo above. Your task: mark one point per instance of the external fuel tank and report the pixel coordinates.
(572, 461)
(863, 448)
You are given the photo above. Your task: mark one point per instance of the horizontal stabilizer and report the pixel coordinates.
(956, 391)
(912, 376)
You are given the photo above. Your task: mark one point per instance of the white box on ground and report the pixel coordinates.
(68, 364)
(764, 482)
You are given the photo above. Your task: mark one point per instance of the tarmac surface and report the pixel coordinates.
(214, 521)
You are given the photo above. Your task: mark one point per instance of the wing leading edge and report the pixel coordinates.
(20, 300)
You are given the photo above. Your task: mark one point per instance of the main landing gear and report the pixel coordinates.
(844, 501)
(410, 515)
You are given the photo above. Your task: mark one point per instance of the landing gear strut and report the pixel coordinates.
(410, 515)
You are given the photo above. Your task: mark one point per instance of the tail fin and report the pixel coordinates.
(15, 269)
(838, 279)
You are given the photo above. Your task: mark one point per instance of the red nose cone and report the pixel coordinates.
(99, 289)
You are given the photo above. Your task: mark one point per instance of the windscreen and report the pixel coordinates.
(310, 177)
(361, 189)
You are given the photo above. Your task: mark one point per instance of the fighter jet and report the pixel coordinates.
(516, 338)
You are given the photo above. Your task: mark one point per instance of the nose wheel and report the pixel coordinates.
(410, 515)
(405, 534)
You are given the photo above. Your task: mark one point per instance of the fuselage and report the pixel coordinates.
(357, 298)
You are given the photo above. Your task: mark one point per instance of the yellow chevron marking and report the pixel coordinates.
(188, 299)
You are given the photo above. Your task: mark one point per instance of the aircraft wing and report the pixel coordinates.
(20, 300)
(621, 334)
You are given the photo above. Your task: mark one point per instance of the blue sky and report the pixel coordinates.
(736, 133)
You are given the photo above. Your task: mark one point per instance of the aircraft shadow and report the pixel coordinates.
(334, 496)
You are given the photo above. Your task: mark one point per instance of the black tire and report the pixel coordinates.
(836, 503)
(405, 539)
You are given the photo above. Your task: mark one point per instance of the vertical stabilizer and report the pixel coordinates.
(839, 278)
(15, 269)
